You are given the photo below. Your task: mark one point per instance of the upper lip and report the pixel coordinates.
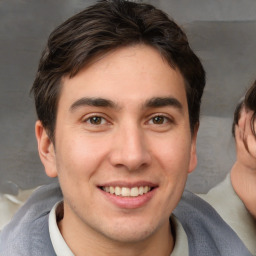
(128, 184)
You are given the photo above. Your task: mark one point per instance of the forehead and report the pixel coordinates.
(128, 74)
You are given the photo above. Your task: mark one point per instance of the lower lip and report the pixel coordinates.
(130, 202)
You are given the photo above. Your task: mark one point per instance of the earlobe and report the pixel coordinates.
(46, 150)
(193, 155)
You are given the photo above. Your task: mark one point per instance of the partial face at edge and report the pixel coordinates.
(123, 126)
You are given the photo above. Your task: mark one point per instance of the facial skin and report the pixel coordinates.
(121, 122)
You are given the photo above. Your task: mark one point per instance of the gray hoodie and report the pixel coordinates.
(28, 232)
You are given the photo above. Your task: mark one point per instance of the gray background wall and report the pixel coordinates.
(221, 32)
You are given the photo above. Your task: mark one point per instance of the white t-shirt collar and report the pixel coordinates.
(61, 248)
(58, 242)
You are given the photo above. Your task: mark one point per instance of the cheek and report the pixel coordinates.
(174, 154)
(173, 159)
(79, 157)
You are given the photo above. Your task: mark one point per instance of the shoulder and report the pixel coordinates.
(224, 200)
(207, 232)
(28, 232)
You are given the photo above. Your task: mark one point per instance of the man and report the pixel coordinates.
(117, 94)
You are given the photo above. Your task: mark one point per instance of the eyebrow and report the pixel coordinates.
(155, 102)
(158, 102)
(95, 102)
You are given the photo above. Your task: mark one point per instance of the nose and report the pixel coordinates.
(129, 149)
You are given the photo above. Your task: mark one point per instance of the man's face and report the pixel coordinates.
(123, 146)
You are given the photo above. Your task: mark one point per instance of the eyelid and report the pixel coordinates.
(166, 116)
(90, 120)
(86, 117)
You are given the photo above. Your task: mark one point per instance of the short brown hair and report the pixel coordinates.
(101, 28)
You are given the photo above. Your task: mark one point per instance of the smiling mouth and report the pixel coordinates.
(127, 192)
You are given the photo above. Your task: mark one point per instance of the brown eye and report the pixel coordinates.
(159, 120)
(96, 120)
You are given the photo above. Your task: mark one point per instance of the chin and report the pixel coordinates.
(130, 234)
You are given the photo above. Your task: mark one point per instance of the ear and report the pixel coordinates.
(46, 150)
(193, 155)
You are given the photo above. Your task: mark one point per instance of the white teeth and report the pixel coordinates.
(134, 191)
(111, 190)
(118, 191)
(141, 190)
(127, 192)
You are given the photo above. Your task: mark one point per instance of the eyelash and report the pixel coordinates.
(163, 120)
(89, 120)
(163, 117)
